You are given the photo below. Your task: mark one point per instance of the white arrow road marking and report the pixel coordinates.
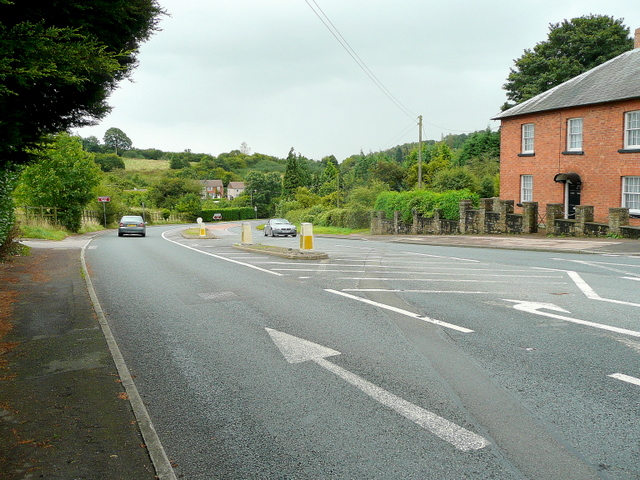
(626, 378)
(297, 350)
(534, 307)
(402, 312)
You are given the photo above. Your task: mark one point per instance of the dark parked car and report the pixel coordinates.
(279, 226)
(132, 224)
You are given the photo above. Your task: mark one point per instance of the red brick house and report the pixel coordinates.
(578, 143)
(211, 188)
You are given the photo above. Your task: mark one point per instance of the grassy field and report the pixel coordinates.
(142, 164)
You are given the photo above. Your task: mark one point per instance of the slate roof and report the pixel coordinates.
(617, 79)
(211, 183)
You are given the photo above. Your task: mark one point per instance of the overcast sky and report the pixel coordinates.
(270, 73)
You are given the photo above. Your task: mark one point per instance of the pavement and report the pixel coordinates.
(64, 412)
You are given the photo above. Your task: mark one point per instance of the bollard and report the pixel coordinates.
(306, 237)
(203, 231)
(246, 233)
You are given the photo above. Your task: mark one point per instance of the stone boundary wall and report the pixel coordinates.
(496, 216)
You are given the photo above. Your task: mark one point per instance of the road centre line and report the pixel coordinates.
(625, 378)
(396, 279)
(604, 265)
(597, 263)
(427, 267)
(484, 275)
(401, 311)
(414, 254)
(440, 256)
(220, 257)
(399, 290)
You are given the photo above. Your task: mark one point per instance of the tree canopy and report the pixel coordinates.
(59, 61)
(572, 47)
(64, 177)
(117, 140)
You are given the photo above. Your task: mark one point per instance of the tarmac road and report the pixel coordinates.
(63, 412)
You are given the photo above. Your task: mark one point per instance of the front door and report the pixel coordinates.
(572, 198)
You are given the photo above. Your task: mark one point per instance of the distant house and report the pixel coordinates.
(234, 189)
(578, 143)
(212, 189)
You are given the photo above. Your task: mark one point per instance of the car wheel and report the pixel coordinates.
(143, 234)
(119, 234)
(294, 235)
(273, 234)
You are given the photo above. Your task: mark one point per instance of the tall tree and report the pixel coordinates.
(264, 189)
(64, 177)
(293, 175)
(572, 47)
(117, 140)
(60, 61)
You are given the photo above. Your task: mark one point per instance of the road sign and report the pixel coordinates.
(104, 199)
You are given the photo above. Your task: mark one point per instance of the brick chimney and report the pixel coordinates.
(637, 42)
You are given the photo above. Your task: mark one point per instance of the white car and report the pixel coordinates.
(279, 226)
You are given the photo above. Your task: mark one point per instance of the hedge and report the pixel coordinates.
(228, 214)
(425, 202)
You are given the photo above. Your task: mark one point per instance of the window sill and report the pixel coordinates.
(573, 152)
(629, 150)
(526, 154)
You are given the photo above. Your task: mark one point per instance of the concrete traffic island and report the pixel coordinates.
(284, 252)
(193, 233)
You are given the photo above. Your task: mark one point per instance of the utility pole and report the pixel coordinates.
(420, 152)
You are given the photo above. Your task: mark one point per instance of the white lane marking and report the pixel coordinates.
(534, 307)
(605, 265)
(484, 275)
(298, 350)
(399, 290)
(590, 293)
(520, 282)
(632, 278)
(221, 257)
(402, 312)
(412, 254)
(625, 378)
(440, 256)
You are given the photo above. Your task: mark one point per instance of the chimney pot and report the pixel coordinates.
(637, 42)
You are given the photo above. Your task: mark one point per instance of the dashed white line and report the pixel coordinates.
(402, 312)
(626, 378)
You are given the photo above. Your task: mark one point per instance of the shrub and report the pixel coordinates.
(425, 202)
(230, 214)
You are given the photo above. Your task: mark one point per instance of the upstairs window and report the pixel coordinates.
(574, 135)
(632, 130)
(526, 188)
(631, 192)
(528, 133)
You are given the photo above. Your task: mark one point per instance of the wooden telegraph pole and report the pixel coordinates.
(420, 152)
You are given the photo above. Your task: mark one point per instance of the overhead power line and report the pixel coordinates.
(343, 42)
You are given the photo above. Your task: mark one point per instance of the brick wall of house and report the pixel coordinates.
(600, 167)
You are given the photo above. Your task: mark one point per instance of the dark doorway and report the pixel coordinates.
(572, 185)
(573, 198)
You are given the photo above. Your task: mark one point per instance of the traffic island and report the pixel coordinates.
(284, 252)
(194, 233)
